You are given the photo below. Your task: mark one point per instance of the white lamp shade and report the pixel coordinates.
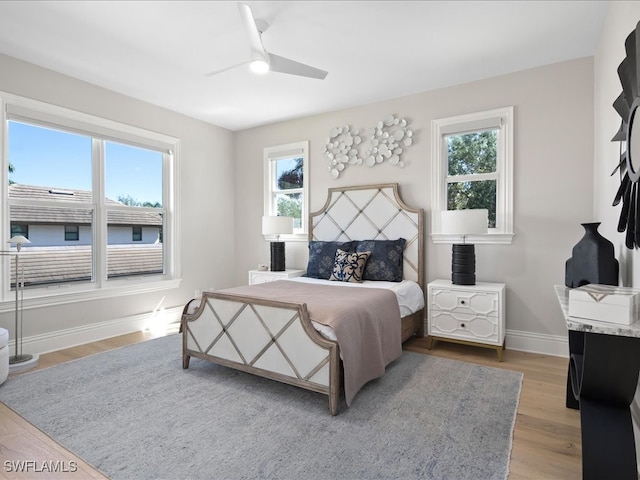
(19, 240)
(464, 222)
(277, 225)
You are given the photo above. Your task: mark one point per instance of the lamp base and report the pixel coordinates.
(277, 257)
(20, 363)
(463, 264)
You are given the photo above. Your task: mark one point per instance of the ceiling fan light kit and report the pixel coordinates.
(263, 61)
(259, 66)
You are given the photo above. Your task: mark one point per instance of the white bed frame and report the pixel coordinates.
(276, 339)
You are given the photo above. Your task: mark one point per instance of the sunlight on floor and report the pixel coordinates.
(161, 322)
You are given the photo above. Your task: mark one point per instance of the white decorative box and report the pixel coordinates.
(605, 303)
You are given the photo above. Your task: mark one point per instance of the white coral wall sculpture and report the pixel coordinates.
(383, 143)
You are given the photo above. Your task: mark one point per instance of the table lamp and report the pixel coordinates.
(277, 226)
(463, 255)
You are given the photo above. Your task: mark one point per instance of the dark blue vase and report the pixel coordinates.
(592, 260)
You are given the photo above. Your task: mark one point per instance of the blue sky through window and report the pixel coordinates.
(52, 158)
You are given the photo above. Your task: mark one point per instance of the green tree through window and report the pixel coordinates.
(290, 204)
(471, 172)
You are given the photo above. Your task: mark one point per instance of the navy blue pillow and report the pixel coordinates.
(385, 261)
(322, 256)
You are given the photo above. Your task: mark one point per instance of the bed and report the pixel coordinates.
(285, 331)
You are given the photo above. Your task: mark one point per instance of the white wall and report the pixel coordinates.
(553, 191)
(206, 198)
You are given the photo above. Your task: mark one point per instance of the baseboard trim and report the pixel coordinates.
(540, 343)
(555, 345)
(71, 337)
(543, 344)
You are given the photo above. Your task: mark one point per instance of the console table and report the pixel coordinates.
(603, 373)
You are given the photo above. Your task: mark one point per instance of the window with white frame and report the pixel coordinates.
(286, 185)
(473, 168)
(71, 233)
(71, 176)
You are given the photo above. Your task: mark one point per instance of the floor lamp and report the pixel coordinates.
(19, 361)
(277, 226)
(463, 255)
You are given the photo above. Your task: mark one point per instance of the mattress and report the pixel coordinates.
(409, 294)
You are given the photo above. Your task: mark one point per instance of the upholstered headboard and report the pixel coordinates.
(372, 212)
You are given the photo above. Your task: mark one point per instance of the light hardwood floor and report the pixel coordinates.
(546, 443)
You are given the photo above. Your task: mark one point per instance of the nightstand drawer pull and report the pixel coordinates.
(462, 325)
(462, 302)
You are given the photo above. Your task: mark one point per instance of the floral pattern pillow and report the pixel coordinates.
(385, 261)
(322, 255)
(349, 266)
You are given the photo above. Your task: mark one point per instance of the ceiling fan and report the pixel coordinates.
(262, 61)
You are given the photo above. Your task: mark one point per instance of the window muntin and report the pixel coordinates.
(69, 195)
(136, 234)
(472, 159)
(286, 184)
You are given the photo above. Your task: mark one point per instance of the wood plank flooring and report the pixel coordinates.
(546, 443)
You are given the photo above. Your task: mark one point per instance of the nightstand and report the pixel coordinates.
(467, 314)
(264, 276)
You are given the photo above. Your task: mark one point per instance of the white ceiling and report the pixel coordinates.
(160, 51)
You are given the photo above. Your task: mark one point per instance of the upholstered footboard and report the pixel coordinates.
(268, 338)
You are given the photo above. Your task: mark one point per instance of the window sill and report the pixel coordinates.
(294, 237)
(60, 295)
(489, 238)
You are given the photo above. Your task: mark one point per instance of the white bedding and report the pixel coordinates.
(409, 295)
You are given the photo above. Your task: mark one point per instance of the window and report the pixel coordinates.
(93, 179)
(286, 185)
(71, 233)
(473, 168)
(20, 229)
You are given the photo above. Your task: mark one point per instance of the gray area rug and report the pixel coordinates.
(134, 413)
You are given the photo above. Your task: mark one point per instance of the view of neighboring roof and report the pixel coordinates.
(47, 265)
(80, 216)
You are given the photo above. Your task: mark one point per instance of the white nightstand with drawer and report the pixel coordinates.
(468, 314)
(264, 276)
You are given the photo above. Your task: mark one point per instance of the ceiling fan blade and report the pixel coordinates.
(216, 72)
(252, 31)
(286, 65)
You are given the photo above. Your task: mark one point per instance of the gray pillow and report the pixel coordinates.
(385, 261)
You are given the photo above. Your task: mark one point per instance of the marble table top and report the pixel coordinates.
(592, 326)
